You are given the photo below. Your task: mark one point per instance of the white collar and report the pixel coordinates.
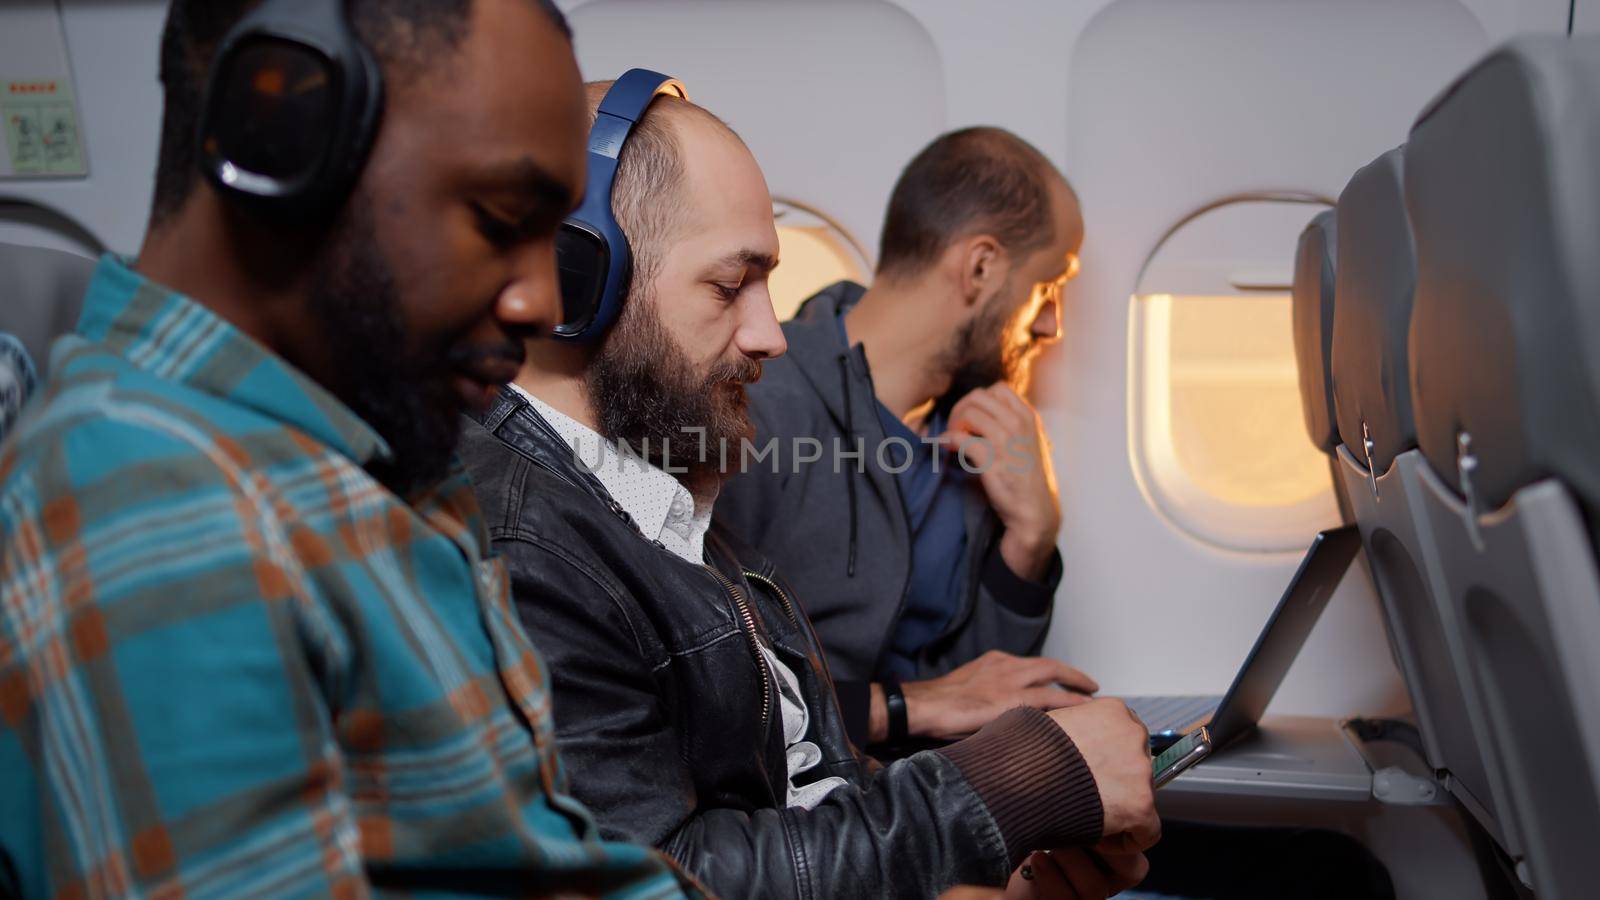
(662, 508)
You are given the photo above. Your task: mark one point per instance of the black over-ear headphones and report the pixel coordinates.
(292, 104)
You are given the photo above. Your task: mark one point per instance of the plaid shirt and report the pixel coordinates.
(231, 663)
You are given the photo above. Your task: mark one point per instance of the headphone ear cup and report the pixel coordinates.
(273, 111)
(292, 105)
(592, 253)
(582, 261)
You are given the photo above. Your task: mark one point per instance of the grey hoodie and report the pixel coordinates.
(838, 528)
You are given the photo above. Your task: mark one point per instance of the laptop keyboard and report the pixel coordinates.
(1162, 714)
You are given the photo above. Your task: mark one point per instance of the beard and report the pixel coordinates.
(987, 351)
(399, 387)
(648, 394)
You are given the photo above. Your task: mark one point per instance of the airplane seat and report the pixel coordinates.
(43, 291)
(1372, 310)
(1313, 326)
(1312, 319)
(1504, 193)
(1377, 460)
(1505, 342)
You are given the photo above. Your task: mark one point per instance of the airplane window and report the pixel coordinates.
(814, 251)
(1217, 437)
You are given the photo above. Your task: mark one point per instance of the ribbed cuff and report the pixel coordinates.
(1033, 780)
(1018, 594)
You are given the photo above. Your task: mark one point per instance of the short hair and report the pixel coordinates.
(647, 196)
(972, 181)
(402, 34)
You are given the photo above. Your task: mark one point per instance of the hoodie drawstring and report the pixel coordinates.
(850, 477)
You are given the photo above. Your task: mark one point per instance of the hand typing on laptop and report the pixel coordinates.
(957, 704)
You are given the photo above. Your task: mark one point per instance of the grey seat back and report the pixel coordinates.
(41, 294)
(1428, 645)
(1372, 314)
(1503, 188)
(1505, 194)
(1377, 462)
(1528, 608)
(1313, 326)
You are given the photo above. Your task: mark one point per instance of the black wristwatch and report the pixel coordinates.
(894, 702)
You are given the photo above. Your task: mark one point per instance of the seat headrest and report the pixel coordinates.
(1372, 314)
(1503, 186)
(43, 291)
(1313, 327)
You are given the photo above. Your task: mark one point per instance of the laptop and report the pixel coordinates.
(1235, 713)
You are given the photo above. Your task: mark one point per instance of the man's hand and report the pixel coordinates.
(1076, 874)
(1116, 746)
(957, 704)
(1000, 435)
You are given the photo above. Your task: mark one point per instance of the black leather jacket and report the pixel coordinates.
(666, 715)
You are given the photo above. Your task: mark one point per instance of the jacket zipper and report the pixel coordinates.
(755, 642)
(727, 585)
(782, 595)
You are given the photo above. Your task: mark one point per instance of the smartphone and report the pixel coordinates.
(1190, 749)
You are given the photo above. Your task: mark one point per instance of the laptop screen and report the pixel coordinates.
(1286, 631)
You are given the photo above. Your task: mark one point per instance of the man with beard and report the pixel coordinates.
(692, 702)
(924, 531)
(252, 640)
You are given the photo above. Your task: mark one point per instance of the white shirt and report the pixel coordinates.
(664, 510)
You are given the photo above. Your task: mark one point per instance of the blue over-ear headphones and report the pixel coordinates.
(292, 104)
(591, 251)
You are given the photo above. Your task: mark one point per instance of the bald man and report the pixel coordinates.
(694, 711)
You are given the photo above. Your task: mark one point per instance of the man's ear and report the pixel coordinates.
(985, 265)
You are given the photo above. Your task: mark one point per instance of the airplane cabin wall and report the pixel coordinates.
(1172, 104)
(835, 95)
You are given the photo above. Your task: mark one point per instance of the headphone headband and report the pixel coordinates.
(592, 252)
(631, 94)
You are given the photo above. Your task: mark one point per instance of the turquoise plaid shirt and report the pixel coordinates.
(233, 664)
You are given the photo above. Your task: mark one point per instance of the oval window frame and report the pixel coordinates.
(1186, 507)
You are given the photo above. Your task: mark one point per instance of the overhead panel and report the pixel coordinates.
(38, 106)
